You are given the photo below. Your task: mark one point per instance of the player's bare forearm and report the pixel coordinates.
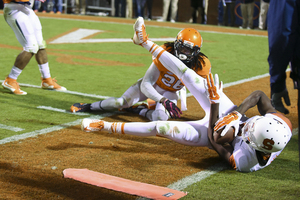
(258, 98)
(223, 152)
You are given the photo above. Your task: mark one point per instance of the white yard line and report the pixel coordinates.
(194, 178)
(49, 130)
(11, 128)
(62, 110)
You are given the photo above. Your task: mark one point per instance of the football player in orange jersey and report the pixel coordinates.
(159, 84)
(27, 27)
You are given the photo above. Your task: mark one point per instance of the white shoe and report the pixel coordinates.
(89, 125)
(173, 21)
(140, 35)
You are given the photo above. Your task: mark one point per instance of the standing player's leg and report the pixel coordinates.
(16, 18)
(41, 55)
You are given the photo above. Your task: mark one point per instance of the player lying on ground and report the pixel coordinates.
(159, 84)
(258, 144)
(259, 140)
(256, 141)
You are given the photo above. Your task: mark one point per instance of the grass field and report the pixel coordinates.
(103, 69)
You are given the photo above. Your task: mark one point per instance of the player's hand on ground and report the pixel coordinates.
(228, 121)
(171, 107)
(277, 101)
(213, 88)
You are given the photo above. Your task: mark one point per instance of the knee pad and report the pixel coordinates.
(33, 48)
(159, 115)
(43, 45)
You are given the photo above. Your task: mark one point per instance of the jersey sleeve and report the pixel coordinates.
(149, 80)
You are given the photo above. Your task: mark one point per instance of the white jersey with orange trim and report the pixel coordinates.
(244, 157)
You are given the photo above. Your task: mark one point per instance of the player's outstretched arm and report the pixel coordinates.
(214, 97)
(257, 98)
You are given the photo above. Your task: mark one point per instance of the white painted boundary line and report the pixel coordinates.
(50, 129)
(11, 128)
(189, 180)
(68, 91)
(61, 110)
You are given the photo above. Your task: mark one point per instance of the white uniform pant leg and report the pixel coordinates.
(263, 14)
(174, 8)
(130, 97)
(183, 133)
(133, 94)
(160, 113)
(26, 26)
(166, 5)
(180, 132)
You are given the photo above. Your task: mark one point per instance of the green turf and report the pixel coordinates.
(108, 69)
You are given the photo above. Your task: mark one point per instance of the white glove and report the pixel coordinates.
(212, 91)
(230, 120)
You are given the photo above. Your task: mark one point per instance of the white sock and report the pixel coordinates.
(153, 48)
(168, 60)
(45, 70)
(114, 127)
(14, 73)
(96, 106)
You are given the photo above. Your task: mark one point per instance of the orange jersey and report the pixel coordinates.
(16, 1)
(169, 81)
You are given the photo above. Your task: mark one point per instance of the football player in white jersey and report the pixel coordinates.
(247, 144)
(27, 27)
(254, 142)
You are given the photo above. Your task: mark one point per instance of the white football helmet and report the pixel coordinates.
(266, 134)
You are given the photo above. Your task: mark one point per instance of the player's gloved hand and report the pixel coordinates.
(277, 101)
(211, 90)
(173, 110)
(232, 119)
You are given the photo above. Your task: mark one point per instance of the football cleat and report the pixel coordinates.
(140, 35)
(80, 107)
(50, 84)
(136, 109)
(13, 86)
(89, 125)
